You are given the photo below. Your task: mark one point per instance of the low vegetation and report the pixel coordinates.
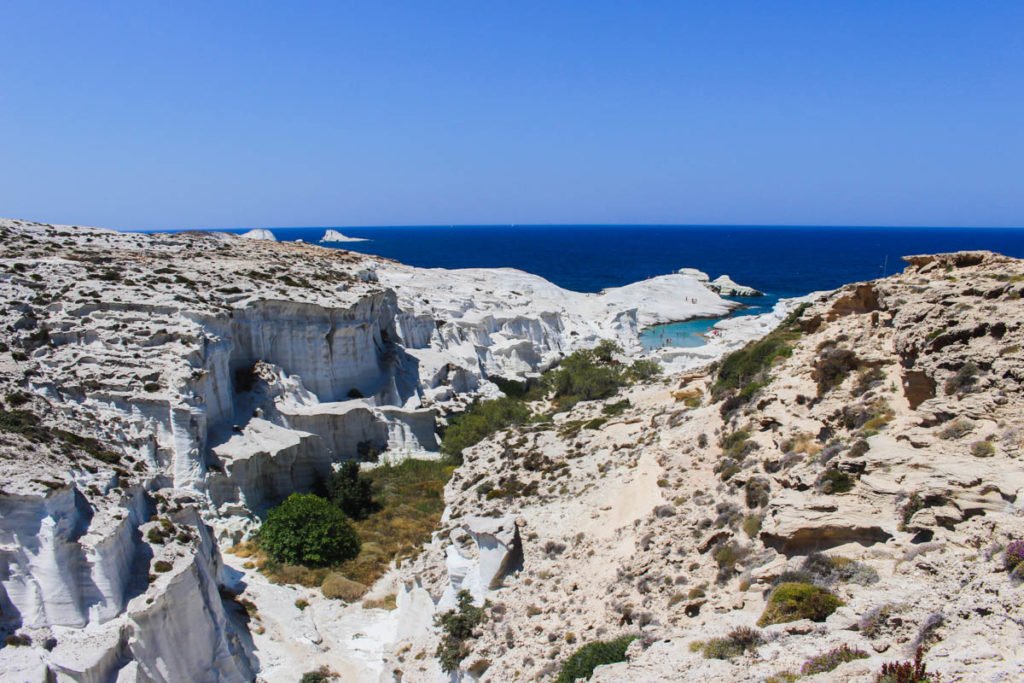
(457, 626)
(907, 672)
(28, 425)
(963, 381)
(833, 366)
(736, 643)
(592, 655)
(1013, 556)
(410, 496)
(830, 660)
(957, 429)
(595, 374)
(308, 530)
(833, 480)
(983, 449)
(586, 375)
(742, 373)
(829, 569)
(482, 419)
(352, 492)
(792, 601)
(321, 675)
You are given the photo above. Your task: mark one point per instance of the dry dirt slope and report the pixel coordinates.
(888, 438)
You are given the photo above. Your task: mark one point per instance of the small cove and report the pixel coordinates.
(692, 333)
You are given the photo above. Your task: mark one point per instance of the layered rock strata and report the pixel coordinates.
(879, 458)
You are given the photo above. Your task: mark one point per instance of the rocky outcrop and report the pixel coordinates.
(162, 392)
(260, 234)
(674, 519)
(68, 562)
(335, 236)
(206, 375)
(723, 284)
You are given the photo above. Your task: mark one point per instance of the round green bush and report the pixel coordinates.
(308, 530)
(583, 662)
(793, 601)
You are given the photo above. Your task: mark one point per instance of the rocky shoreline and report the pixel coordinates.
(162, 392)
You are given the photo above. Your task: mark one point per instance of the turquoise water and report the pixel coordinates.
(686, 334)
(693, 333)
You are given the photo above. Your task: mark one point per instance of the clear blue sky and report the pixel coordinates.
(217, 114)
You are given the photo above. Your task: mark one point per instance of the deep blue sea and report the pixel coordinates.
(781, 261)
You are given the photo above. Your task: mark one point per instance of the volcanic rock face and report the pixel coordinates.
(163, 391)
(160, 393)
(673, 520)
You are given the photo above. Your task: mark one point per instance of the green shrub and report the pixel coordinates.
(726, 556)
(18, 640)
(161, 566)
(605, 351)
(745, 371)
(321, 675)
(757, 492)
(739, 641)
(752, 525)
(832, 367)
(482, 419)
(28, 425)
(793, 601)
(783, 677)
(530, 390)
(592, 655)
(457, 627)
(735, 445)
(642, 370)
(582, 376)
(351, 492)
(958, 428)
(16, 399)
(308, 530)
(749, 365)
(830, 660)
(615, 409)
(829, 569)
(867, 380)
(834, 481)
(963, 381)
(983, 449)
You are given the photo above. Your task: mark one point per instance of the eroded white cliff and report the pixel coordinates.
(202, 378)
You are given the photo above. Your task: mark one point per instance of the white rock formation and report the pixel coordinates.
(462, 326)
(335, 236)
(232, 373)
(260, 234)
(202, 378)
(723, 284)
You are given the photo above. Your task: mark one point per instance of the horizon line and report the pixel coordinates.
(578, 225)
